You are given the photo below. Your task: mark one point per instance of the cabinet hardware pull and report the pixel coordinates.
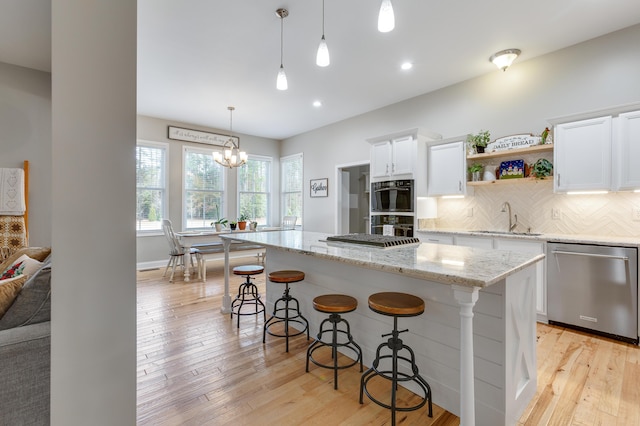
(460, 185)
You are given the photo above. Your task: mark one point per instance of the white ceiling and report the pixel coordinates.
(196, 57)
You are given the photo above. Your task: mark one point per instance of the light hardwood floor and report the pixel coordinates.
(196, 368)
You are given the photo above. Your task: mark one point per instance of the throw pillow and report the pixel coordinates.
(37, 253)
(33, 304)
(9, 289)
(24, 265)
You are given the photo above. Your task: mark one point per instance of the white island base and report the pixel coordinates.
(497, 332)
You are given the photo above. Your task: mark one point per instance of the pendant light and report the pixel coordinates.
(281, 81)
(386, 19)
(233, 157)
(322, 57)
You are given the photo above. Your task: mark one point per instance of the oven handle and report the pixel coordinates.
(391, 189)
(605, 256)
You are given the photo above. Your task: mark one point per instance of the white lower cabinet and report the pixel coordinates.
(532, 247)
(476, 242)
(428, 237)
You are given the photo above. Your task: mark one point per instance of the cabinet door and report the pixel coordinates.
(403, 155)
(446, 169)
(628, 153)
(381, 159)
(541, 270)
(583, 155)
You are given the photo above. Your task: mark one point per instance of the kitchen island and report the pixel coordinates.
(475, 343)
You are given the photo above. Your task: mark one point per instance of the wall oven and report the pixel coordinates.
(401, 226)
(392, 196)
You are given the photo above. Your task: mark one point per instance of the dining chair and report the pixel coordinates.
(176, 250)
(289, 222)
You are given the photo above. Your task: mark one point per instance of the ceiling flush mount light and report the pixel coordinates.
(406, 66)
(281, 81)
(233, 157)
(504, 58)
(317, 104)
(322, 57)
(386, 19)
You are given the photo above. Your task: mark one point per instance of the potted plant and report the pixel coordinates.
(233, 225)
(242, 221)
(253, 225)
(542, 168)
(479, 141)
(219, 224)
(475, 170)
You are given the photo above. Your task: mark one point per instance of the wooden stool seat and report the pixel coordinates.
(286, 276)
(396, 304)
(335, 303)
(248, 270)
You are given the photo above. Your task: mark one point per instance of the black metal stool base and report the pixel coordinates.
(285, 315)
(348, 343)
(247, 295)
(394, 376)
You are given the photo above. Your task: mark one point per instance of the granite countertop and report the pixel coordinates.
(563, 238)
(446, 264)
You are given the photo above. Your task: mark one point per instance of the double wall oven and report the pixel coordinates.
(392, 207)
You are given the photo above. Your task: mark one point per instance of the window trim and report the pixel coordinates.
(167, 197)
(268, 159)
(225, 182)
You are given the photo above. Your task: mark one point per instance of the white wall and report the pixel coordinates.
(152, 249)
(25, 120)
(596, 74)
(93, 347)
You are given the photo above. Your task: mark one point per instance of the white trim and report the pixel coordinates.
(165, 204)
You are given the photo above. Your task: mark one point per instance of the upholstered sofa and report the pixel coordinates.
(25, 343)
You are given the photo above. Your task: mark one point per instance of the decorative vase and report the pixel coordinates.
(475, 176)
(252, 226)
(242, 225)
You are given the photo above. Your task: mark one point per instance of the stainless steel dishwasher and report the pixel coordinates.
(594, 288)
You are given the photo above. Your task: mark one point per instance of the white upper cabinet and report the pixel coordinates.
(583, 155)
(446, 174)
(627, 142)
(393, 157)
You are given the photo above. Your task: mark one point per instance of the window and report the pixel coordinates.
(291, 186)
(151, 185)
(203, 188)
(254, 189)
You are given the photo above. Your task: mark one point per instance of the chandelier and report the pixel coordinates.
(233, 157)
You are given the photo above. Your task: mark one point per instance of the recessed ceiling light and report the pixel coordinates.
(317, 104)
(406, 66)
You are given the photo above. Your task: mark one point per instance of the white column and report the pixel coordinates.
(226, 299)
(466, 297)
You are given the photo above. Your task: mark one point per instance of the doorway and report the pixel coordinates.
(353, 199)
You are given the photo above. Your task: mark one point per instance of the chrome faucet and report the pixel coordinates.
(506, 207)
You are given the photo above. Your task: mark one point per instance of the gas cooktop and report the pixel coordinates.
(374, 240)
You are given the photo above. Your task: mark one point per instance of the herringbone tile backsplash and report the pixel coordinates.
(534, 202)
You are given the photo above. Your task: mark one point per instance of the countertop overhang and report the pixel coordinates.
(445, 264)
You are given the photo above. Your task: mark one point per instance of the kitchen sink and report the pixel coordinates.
(507, 233)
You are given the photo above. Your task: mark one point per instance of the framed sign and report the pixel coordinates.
(319, 187)
(198, 136)
(513, 142)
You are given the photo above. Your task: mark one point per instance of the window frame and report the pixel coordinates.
(209, 152)
(165, 191)
(300, 155)
(269, 192)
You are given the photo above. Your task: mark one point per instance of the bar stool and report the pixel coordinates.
(335, 304)
(396, 305)
(247, 292)
(286, 314)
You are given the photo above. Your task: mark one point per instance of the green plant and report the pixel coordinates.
(542, 168)
(476, 167)
(222, 221)
(481, 139)
(243, 218)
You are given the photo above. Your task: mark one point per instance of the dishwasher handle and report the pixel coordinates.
(602, 256)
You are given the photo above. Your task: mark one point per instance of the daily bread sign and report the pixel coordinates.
(513, 142)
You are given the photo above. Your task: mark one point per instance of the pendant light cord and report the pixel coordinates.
(281, 39)
(323, 18)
